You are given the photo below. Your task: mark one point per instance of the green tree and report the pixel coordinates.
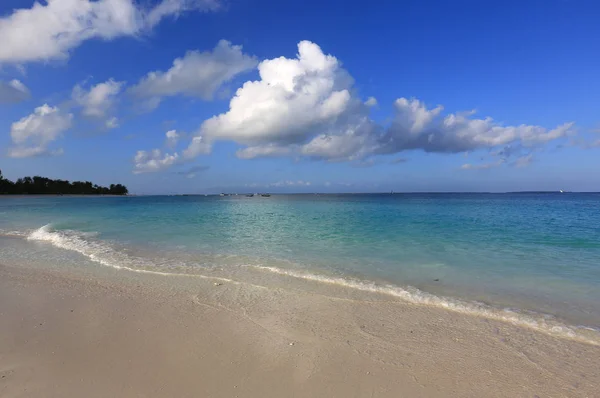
(38, 185)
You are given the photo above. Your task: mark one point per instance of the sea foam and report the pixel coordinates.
(100, 252)
(106, 255)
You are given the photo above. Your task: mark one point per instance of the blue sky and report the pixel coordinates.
(326, 96)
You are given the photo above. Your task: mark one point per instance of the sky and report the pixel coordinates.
(208, 96)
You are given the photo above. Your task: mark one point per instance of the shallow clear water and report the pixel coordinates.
(537, 252)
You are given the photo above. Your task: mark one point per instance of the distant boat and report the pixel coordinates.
(561, 191)
(250, 195)
(265, 195)
(221, 194)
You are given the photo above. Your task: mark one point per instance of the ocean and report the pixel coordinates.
(531, 259)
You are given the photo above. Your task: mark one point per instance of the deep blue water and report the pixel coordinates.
(538, 252)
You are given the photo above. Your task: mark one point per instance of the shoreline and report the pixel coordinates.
(272, 276)
(64, 330)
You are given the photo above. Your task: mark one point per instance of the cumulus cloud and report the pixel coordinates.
(417, 127)
(50, 29)
(12, 92)
(98, 101)
(197, 74)
(153, 161)
(371, 101)
(172, 138)
(33, 134)
(293, 99)
(307, 106)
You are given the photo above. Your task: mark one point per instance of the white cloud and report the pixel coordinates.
(307, 106)
(355, 139)
(416, 127)
(197, 74)
(153, 161)
(50, 29)
(12, 92)
(198, 146)
(99, 101)
(177, 7)
(172, 138)
(294, 99)
(371, 101)
(33, 134)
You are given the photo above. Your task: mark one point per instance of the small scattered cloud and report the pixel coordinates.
(197, 74)
(50, 30)
(156, 160)
(13, 92)
(371, 101)
(398, 160)
(172, 138)
(98, 102)
(153, 161)
(33, 134)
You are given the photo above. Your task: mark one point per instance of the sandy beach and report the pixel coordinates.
(100, 333)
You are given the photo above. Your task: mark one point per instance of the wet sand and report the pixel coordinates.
(100, 333)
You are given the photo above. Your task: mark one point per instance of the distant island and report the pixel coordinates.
(45, 186)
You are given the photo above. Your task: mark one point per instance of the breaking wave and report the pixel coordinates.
(106, 255)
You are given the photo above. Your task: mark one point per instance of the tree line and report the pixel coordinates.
(45, 186)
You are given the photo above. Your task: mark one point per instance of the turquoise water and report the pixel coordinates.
(528, 252)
